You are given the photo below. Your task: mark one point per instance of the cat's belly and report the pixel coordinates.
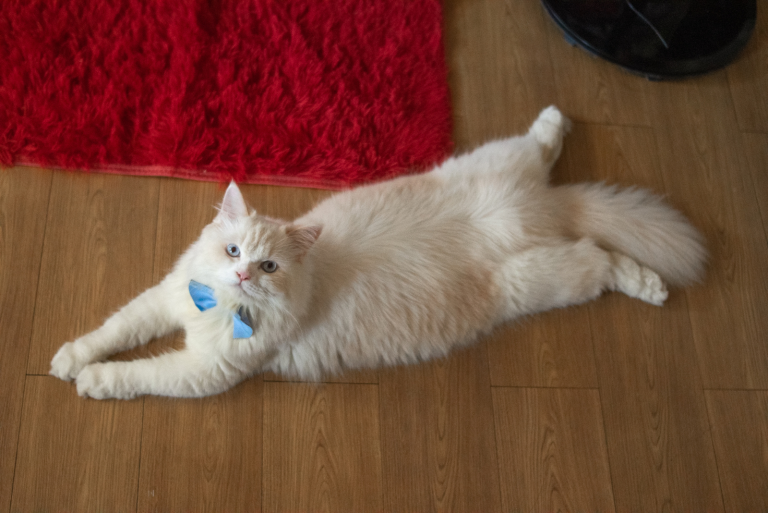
(405, 272)
(401, 323)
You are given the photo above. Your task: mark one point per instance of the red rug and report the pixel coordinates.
(289, 92)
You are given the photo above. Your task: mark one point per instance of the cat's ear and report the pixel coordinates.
(233, 205)
(303, 237)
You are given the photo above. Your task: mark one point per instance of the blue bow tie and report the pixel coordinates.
(203, 297)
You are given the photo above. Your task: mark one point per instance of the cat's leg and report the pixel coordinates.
(636, 280)
(149, 315)
(570, 273)
(529, 156)
(177, 374)
(548, 132)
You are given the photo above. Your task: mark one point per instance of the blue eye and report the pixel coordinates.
(233, 250)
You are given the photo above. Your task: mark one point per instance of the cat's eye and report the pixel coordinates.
(233, 250)
(268, 266)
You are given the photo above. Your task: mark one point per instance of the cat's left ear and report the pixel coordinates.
(233, 205)
(303, 237)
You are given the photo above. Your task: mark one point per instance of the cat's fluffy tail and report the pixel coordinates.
(640, 225)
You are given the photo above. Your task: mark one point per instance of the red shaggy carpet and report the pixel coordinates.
(291, 92)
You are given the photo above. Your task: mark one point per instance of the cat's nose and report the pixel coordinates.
(243, 275)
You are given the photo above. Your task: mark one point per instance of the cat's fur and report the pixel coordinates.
(393, 273)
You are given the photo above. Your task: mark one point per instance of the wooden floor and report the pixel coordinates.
(611, 406)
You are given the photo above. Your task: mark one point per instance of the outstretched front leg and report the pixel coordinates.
(149, 315)
(178, 374)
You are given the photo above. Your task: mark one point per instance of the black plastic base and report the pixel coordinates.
(658, 39)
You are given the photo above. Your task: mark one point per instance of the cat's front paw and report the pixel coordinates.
(91, 382)
(100, 381)
(68, 362)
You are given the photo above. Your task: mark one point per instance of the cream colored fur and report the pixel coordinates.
(393, 273)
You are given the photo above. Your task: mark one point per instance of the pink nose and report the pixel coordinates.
(243, 275)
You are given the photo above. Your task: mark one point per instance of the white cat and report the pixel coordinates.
(393, 273)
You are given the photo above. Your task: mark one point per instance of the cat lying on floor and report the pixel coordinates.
(393, 273)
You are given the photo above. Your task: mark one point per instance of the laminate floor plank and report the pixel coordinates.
(701, 154)
(493, 49)
(659, 445)
(76, 454)
(203, 454)
(551, 349)
(358, 376)
(617, 155)
(97, 256)
(321, 448)
(739, 422)
(24, 195)
(437, 438)
(552, 453)
(286, 203)
(185, 208)
(756, 157)
(595, 91)
(748, 78)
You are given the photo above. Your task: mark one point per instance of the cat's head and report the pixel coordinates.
(255, 261)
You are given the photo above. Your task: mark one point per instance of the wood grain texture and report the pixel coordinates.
(748, 78)
(756, 158)
(321, 448)
(739, 422)
(655, 419)
(285, 203)
(24, 197)
(203, 455)
(184, 208)
(700, 154)
(659, 443)
(97, 256)
(75, 454)
(596, 91)
(552, 349)
(620, 155)
(361, 376)
(493, 48)
(552, 454)
(437, 436)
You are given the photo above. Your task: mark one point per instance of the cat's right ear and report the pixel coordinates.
(233, 205)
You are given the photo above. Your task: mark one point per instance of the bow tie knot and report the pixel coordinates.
(202, 296)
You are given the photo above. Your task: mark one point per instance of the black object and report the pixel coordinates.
(658, 38)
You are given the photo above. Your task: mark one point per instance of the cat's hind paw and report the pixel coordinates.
(549, 129)
(68, 362)
(653, 290)
(639, 281)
